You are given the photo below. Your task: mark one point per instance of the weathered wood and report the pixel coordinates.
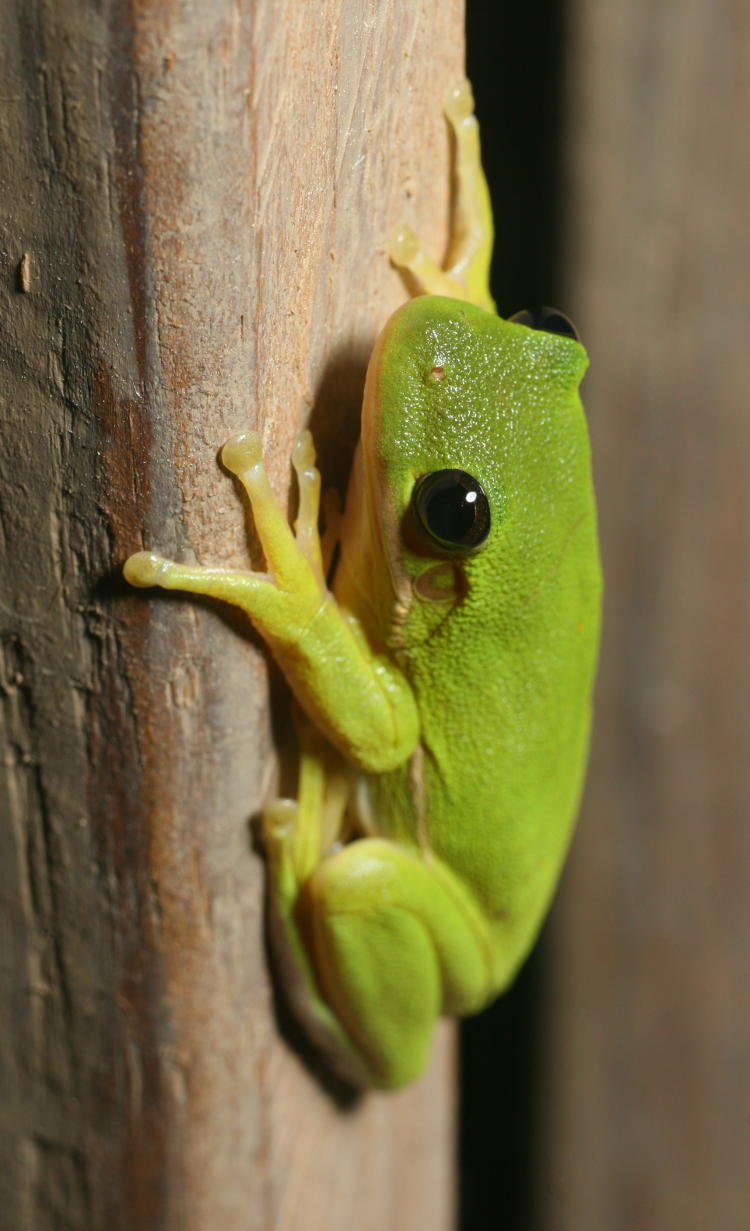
(647, 1083)
(193, 234)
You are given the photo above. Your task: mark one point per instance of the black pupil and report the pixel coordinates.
(453, 509)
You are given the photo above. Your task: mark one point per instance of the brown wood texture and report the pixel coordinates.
(647, 1077)
(193, 235)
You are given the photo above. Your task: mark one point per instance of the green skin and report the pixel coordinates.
(447, 697)
(501, 668)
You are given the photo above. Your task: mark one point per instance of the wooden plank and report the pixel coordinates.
(194, 242)
(646, 1086)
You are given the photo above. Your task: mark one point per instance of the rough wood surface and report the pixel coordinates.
(193, 232)
(647, 1086)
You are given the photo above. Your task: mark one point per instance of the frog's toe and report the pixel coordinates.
(459, 104)
(280, 821)
(403, 247)
(145, 568)
(242, 452)
(303, 453)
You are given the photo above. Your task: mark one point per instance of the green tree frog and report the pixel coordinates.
(444, 672)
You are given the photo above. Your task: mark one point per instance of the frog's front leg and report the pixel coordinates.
(467, 271)
(394, 943)
(359, 699)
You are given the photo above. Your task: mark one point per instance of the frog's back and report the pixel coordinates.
(499, 643)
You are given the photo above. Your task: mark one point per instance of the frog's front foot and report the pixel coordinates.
(466, 273)
(283, 601)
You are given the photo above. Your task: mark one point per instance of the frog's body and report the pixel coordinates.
(500, 755)
(446, 678)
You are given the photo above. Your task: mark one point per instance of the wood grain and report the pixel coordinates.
(193, 243)
(647, 1082)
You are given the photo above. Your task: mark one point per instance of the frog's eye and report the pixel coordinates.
(549, 320)
(452, 509)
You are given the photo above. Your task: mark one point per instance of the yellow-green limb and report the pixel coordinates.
(467, 271)
(361, 701)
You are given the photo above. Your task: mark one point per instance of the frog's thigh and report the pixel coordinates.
(392, 951)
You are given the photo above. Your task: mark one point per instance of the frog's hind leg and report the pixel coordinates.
(394, 947)
(297, 834)
(470, 246)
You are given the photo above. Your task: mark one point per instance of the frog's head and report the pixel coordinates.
(473, 467)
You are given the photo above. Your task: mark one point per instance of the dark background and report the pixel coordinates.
(611, 1088)
(515, 64)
